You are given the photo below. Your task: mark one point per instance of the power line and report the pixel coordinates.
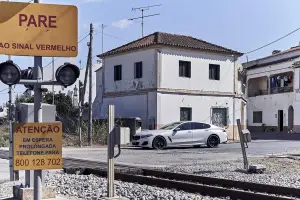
(59, 57)
(3, 90)
(112, 36)
(272, 42)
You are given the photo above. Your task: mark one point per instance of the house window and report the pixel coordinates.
(185, 69)
(118, 72)
(219, 117)
(214, 72)
(138, 70)
(257, 116)
(185, 114)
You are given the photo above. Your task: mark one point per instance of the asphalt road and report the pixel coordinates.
(177, 156)
(4, 171)
(185, 156)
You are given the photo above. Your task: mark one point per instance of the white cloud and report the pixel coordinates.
(122, 24)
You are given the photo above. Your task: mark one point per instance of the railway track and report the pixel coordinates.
(213, 187)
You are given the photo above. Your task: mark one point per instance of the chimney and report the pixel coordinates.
(275, 52)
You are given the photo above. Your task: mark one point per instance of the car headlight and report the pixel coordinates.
(145, 136)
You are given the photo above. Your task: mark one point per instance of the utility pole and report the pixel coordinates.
(38, 117)
(102, 27)
(233, 103)
(82, 90)
(143, 9)
(53, 96)
(90, 127)
(80, 107)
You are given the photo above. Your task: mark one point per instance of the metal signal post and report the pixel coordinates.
(11, 74)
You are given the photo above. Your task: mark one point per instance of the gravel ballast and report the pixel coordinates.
(93, 187)
(280, 171)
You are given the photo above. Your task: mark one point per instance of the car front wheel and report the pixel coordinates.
(213, 141)
(159, 143)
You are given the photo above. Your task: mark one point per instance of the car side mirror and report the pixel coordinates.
(177, 129)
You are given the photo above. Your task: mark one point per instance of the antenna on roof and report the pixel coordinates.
(142, 9)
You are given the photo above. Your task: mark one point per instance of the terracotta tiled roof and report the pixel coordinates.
(173, 40)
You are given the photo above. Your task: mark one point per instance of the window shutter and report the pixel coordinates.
(141, 69)
(189, 70)
(218, 72)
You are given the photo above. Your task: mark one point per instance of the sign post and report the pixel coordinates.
(38, 30)
(38, 117)
(110, 152)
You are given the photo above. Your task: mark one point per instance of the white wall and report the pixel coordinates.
(270, 69)
(201, 107)
(199, 71)
(142, 106)
(128, 81)
(269, 104)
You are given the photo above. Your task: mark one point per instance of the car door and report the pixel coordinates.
(183, 135)
(200, 132)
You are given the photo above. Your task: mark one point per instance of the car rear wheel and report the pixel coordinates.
(213, 141)
(159, 143)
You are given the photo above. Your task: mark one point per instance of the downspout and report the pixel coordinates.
(103, 85)
(233, 103)
(158, 84)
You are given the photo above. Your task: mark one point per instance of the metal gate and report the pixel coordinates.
(219, 116)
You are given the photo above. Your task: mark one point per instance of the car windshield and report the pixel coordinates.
(170, 126)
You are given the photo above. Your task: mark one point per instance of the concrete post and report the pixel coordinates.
(242, 141)
(110, 152)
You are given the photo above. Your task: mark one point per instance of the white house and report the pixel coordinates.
(164, 77)
(273, 92)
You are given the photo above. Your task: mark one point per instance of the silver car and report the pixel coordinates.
(181, 134)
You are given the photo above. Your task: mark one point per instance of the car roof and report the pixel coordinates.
(192, 122)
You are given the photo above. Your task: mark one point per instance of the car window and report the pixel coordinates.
(200, 126)
(185, 126)
(170, 126)
(205, 126)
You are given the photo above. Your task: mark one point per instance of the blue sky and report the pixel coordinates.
(242, 25)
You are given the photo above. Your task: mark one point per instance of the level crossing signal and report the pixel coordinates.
(11, 74)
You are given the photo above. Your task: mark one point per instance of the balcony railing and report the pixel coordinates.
(253, 93)
(277, 90)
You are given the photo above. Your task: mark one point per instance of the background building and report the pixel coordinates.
(273, 92)
(164, 77)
